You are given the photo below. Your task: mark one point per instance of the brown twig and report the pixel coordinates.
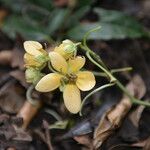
(28, 111)
(47, 135)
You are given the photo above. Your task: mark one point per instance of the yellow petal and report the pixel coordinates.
(32, 47)
(60, 49)
(49, 82)
(75, 64)
(66, 49)
(31, 61)
(58, 62)
(43, 51)
(85, 80)
(72, 98)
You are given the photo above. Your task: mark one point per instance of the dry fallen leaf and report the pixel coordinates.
(145, 144)
(113, 118)
(11, 97)
(17, 58)
(136, 115)
(20, 76)
(84, 140)
(141, 90)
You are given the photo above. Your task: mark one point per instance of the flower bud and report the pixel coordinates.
(38, 61)
(69, 46)
(33, 75)
(35, 55)
(30, 61)
(67, 49)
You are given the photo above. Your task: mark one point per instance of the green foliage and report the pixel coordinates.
(59, 125)
(46, 4)
(41, 20)
(83, 3)
(18, 5)
(114, 25)
(16, 24)
(34, 19)
(15, 5)
(56, 23)
(74, 19)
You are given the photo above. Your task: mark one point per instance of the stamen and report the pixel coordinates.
(71, 77)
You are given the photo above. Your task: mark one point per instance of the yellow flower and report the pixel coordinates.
(67, 49)
(35, 55)
(30, 61)
(69, 77)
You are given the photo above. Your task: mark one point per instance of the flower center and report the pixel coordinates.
(71, 77)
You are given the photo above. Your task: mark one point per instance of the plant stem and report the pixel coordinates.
(96, 57)
(121, 70)
(93, 92)
(29, 95)
(101, 74)
(134, 100)
(112, 78)
(54, 114)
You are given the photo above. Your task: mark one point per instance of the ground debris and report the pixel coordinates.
(84, 140)
(113, 118)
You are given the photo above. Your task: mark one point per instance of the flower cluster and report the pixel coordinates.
(66, 71)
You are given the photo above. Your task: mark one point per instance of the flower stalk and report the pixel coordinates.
(112, 78)
(95, 59)
(93, 92)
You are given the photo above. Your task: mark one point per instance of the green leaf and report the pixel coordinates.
(59, 125)
(15, 24)
(15, 6)
(59, 17)
(47, 4)
(77, 15)
(35, 15)
(83, 3)
(119, 18)
(18, 5)
(109, 15)
(114, 25)
(108, 31)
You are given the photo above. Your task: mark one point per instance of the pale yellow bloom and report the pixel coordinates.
(30, 61)
(69, 77)
(34, 48)
(67, 49)
(35, 55)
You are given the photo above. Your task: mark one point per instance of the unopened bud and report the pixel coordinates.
(33, 75)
